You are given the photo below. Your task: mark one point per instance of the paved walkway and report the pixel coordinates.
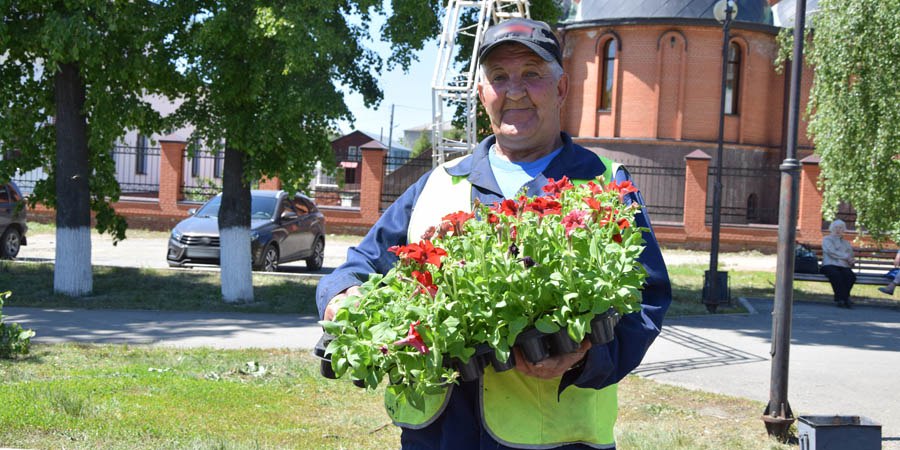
(842, 361)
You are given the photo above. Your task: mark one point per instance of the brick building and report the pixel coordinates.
(645, 80)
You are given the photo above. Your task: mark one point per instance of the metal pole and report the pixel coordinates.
(712, 294)
(390, 142)
(778, 416)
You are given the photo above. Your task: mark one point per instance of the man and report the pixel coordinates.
(523, 90)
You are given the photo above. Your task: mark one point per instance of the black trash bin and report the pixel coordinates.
(722, 294)
(838, 433)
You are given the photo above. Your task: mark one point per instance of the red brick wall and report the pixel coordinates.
(671, 90)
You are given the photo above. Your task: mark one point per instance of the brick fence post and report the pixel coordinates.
(372, 181)
(695, 186)
(171, 174)
(809, 216)
(270, 184)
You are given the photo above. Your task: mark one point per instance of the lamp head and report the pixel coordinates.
(719, 9)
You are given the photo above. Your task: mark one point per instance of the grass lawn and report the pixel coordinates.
(156, 289)
(687, 284)
(120, 397)
(160, 289)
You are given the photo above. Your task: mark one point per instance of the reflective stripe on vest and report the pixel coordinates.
(517, 410)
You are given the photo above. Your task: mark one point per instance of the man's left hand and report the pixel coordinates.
(551, 367)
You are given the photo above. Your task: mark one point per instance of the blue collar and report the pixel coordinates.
(574, 161)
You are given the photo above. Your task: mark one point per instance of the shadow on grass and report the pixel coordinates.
(153, 289)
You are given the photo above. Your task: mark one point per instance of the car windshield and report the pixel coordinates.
(260, 207)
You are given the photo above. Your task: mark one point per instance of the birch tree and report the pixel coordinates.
(855, 109)
(72, 79)
(265, 78)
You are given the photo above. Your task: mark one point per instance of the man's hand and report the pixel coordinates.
(332, 307)
(551, 367)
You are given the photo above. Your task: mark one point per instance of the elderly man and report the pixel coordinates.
(567, 401)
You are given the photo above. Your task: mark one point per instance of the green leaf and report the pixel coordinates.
(546, 325)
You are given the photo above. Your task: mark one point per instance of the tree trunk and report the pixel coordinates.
(72, 273)
(234, 231)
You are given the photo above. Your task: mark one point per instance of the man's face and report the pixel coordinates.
(523, 100)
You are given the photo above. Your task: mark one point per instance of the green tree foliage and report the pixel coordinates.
(855, 109)
(423, 143)
(117, 51)
(264, 76)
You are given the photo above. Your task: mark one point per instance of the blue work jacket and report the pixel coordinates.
(460, 426)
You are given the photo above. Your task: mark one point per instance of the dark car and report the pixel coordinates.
(12, 221)
(283, 228)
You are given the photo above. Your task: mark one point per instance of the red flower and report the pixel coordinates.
(423, 252)
(574, 220)
(429, 233)
(594, 187)
(544, 206)
(513, 232)
(413, 339)
(622, 223)
(426, 281)
(457, 220)
(553, 188)
(507, 207)
(624, 188)
(592, 203)
(493, 219)
(444, 228)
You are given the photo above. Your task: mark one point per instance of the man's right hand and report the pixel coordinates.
(332, 307)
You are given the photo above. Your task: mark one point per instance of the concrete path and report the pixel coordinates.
(167, 328)
(842, 362)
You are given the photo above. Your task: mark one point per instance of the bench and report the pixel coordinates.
(871, 265)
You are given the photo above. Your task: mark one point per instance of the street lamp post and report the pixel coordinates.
(778, 416)
(715, 290)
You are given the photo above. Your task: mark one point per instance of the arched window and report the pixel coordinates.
(608, 78)
(752, 208)
(733, 79)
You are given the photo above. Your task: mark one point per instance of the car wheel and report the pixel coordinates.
(314, 262)
(269, 261)
(10, 243)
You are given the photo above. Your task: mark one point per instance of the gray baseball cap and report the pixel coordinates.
(534, 34)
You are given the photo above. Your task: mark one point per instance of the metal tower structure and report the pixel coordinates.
(450, 86)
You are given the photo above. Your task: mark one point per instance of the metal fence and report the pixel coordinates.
(137, 170)
(202, 175)
(749, 195)
(662, 189)
(26, 180)
(400, 174)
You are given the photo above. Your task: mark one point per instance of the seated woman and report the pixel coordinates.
(889, 289)
(837, 260)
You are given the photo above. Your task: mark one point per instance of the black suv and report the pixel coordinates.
(283, 228)
(12, 221)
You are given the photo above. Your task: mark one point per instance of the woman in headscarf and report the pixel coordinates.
(837, 261)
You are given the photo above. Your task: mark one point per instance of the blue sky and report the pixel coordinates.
(409, 92)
